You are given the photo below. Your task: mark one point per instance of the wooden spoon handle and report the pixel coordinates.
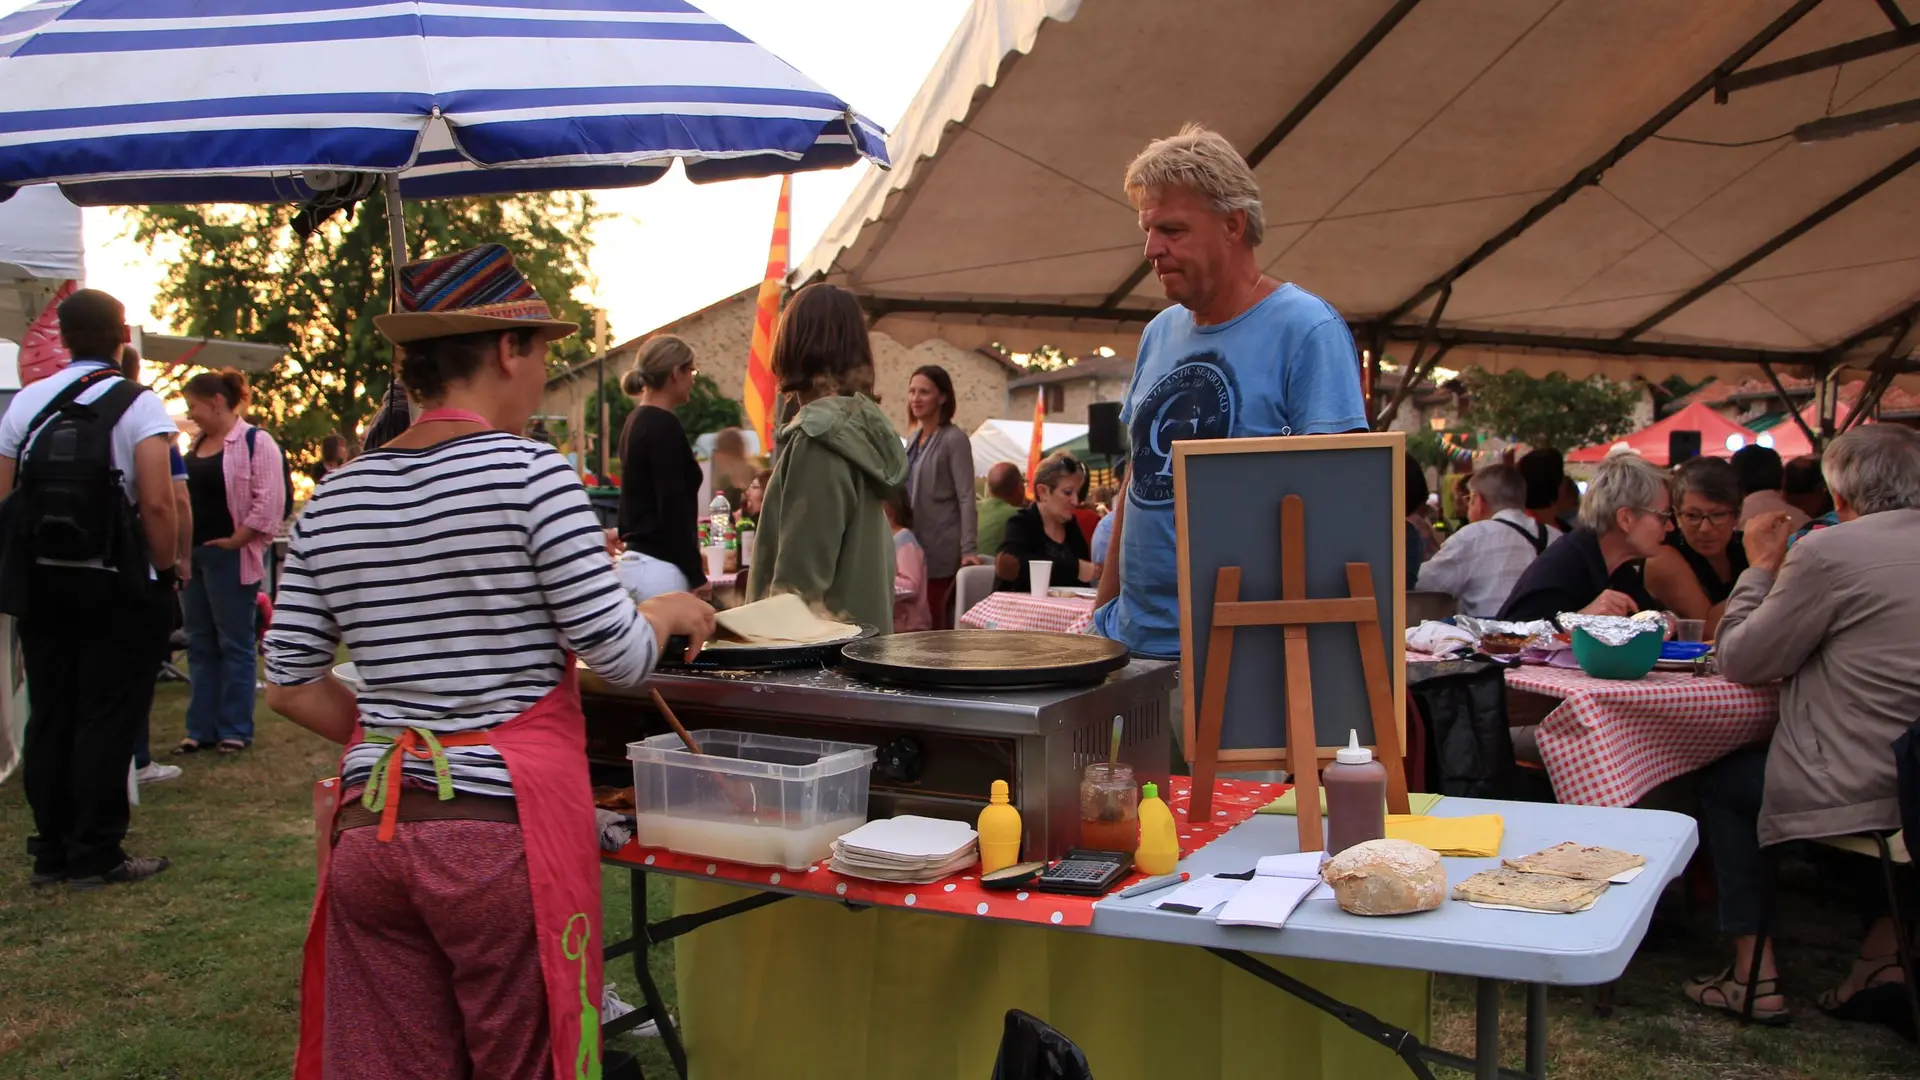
(667, 711)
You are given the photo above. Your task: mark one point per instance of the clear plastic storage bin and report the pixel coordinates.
(767, 800)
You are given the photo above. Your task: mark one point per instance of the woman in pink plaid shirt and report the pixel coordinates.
(239, 496)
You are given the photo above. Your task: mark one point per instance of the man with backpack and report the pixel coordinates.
(88, 516)
(1480, 563)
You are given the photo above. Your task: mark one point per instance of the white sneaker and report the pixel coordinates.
(155, 773)
(612, 1008)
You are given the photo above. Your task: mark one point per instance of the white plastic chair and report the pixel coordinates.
(970, 586)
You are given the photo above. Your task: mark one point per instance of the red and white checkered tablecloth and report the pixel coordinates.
(1024, 611)
(1611, 741)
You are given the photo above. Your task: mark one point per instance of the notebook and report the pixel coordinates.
(1265, 901)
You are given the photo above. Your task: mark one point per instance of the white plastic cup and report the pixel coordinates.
(1689, 629)
(716, 560)
(1040, 576)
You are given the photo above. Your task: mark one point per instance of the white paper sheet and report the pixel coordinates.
(1265, 901)
(1625, 876)
(1202, 893)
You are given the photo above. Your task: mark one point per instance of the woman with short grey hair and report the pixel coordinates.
(1694, 574)
(1596, 568)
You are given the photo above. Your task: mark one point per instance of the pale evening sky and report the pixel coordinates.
(673, 247)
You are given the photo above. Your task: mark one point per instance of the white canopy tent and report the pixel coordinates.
(995, 441)
(1518, 184)
(41, 248)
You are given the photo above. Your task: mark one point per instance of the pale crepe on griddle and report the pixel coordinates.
(780, 620)
(1570, 860)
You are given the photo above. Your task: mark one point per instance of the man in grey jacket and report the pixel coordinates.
(1837, 621)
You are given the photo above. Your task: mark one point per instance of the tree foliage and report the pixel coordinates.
(242, 274)
(1554, 411)
(706, 410)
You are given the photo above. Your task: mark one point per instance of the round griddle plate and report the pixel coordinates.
(974, 658)
(759, 657)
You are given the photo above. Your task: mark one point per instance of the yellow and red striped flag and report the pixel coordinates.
(1033, 445)
(758, 394)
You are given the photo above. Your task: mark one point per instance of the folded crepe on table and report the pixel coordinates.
(1571, 860)
(1532, 892)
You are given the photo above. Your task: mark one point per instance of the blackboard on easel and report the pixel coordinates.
(1228, 497)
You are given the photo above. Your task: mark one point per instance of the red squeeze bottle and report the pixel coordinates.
(1356, 787)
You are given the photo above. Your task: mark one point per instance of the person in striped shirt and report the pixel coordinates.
(463, 569)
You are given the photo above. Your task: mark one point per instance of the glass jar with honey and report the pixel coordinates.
(1109, 808)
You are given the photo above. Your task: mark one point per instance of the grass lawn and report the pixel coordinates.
(193, 976)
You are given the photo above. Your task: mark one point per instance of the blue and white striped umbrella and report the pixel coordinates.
(127, 102)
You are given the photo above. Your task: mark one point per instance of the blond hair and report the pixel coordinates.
(1204, 162)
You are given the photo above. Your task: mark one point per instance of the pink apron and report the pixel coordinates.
(545, 753)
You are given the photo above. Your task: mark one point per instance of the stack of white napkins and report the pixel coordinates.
(906, 849)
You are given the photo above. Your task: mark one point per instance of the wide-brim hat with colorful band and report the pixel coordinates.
(466, 293)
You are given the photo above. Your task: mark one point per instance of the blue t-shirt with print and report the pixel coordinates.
(1286, 366)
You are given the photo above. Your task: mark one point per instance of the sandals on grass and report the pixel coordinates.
(231, 746)
(189, 746)
(1723, 993)
(1878, 1001)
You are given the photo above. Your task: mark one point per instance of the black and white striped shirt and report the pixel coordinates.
(458, 576)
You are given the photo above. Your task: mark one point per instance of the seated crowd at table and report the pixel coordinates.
(1815, 593)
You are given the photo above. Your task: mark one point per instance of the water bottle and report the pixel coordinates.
(719, 525)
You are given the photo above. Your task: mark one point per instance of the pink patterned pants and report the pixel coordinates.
(432, 966)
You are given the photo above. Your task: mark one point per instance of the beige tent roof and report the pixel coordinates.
(1560, 174)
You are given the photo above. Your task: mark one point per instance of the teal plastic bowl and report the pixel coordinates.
(1630, 661)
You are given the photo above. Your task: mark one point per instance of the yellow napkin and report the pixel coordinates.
(1418, 801)
(1476, 837)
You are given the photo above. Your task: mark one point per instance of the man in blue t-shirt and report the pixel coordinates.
(1239, 355)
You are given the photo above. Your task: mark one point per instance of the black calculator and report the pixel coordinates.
(1085, 873)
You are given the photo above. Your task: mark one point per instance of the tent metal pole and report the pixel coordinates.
(1593, 173)
(1793, 232)
(1414, 371)
(1806, 63)
(1786, 401)
(1295, 116)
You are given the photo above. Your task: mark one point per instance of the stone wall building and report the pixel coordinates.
(1069, 390)
(721, 335)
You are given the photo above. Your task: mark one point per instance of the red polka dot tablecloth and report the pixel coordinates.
(1025, 611)
(1234, 802)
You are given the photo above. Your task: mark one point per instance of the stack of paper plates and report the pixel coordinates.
(907, 849)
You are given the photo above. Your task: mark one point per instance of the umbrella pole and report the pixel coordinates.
(397, 243)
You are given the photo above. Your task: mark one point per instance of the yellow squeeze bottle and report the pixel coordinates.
(999, 831)
(1159, 841)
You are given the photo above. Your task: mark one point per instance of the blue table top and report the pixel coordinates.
(1581, 949)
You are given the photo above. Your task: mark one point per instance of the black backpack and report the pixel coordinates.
(286, 474)
(69, 502)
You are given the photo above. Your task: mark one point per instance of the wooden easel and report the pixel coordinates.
(1294, 612)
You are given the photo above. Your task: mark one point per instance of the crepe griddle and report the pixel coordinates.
(984, 658)
(759, 657)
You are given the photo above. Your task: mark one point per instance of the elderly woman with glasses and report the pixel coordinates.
(1596, 568)
(1694, 574)
(1045, 530)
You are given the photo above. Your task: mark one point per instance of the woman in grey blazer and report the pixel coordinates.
(940, 487)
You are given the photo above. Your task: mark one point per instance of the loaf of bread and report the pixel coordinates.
(1386, 877)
